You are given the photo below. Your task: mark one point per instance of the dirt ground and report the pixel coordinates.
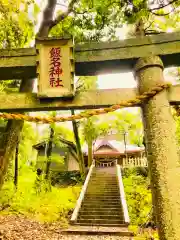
(21, 228)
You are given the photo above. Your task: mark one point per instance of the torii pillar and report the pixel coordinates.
(162, 151)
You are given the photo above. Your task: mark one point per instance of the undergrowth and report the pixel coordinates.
(55, 205)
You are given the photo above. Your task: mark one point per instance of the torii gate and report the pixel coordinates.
(145, 56)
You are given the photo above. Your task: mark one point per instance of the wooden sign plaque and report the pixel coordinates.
(55, 67)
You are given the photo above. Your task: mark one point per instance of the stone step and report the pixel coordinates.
(103, 187)
(116, 194)
(114, 179)
(102, 224)
(100, 189)
(99, 185)
(95, 206)
(104, 175)
(108, 197)
(102, 180)
(100, 221)
(96, 180)
(102, 204)
(104, 201)
(107, 183)
(108, 186)
(105, 178)
(100, 212)
(91, 195)
(99, 232)
(103, 197)
(85, 207)
(102, 192)
(105, 217)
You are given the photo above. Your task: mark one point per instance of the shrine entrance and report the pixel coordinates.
(54, 62)
(102, 163)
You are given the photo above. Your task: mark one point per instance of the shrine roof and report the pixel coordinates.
(115, 147)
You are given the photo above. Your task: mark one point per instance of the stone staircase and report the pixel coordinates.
(101, 205)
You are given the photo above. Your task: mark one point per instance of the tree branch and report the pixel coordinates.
(149, 26)
(47, 18)
(48, 23)
(160, 7)
(162, 14)
(62, 16)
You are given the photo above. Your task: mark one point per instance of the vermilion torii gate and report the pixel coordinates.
(146, 57)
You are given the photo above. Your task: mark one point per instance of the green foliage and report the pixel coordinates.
(66, 178)
(45, 207)
(100, 19)
(138, 197)
(16, 25)
(92, 20)
(85, 83)
(130, 123)
(64, 132)
(57, 162)
(177, 118)
(27, 155)
(89, 129)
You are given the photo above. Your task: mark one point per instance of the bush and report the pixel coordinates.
(138, 197)
(65, 178)
(45, 207)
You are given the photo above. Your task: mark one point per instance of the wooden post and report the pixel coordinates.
(162, 152)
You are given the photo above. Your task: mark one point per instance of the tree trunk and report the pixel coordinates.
(14, 127)
(78, 146)
(12, 133)
(16, 166)
(49, 153)
(125, 144)
(90, 154)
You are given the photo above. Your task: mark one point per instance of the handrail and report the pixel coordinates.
(122, 195)
(82, 194)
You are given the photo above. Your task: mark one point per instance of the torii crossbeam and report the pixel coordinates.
(91, 59)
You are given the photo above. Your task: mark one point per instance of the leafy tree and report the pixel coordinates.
(16, 26)
(83, 84)
(16, 31)
(130, 124)
(90, 133)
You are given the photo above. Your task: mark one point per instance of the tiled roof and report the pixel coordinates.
(116, 146)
